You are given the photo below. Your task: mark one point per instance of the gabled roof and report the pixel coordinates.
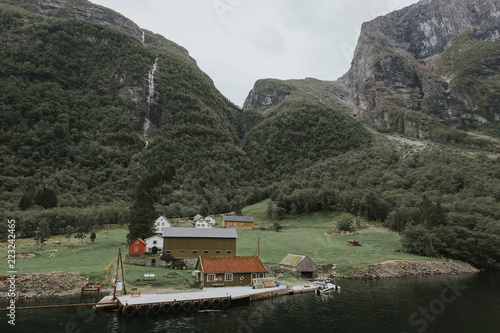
(155, 236)
(140, 240)
(199, 233)
(292, 260)
(238, 218)
(231, 265)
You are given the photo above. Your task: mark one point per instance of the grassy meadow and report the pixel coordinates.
(303, 235)
(307, 236)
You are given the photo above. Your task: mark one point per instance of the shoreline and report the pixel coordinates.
(405, 268)
(62, 284)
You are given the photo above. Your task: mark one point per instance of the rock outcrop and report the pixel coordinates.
(43, 285)
(267, 92)
(403, 268)
(423, 57)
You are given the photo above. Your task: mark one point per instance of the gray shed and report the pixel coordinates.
(299, 264)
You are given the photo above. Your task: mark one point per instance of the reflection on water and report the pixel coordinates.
(466, 303)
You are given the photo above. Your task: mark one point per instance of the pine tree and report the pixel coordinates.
(143, 215)
(46, 198)
(42, 232)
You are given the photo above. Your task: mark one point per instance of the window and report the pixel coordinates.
(261, 275)
(136, 249)
(228, 277)
(183, 252)
(194, 251)
(229, 252)
(206, 251)
(167, 252)
(137, 242)
(210, 277)
(154, 242)
(217, 252)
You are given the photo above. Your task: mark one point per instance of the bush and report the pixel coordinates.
(344, 223)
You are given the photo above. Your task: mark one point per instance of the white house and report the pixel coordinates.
(201, 223)
(160, 223)
(210, 220)
(154, 241)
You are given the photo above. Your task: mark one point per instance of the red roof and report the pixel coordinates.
(231, 265)
(140, 240)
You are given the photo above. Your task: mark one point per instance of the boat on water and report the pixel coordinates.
(326, 287)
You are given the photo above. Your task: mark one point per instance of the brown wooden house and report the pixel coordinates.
(229, 272)
(237, 222)
(194, 242)
(299, 264)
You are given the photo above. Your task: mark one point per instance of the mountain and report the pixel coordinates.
(439, 58)
(291, 124)
(95, 110)
(83, 91)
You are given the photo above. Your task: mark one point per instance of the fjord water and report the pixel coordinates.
(464, 303)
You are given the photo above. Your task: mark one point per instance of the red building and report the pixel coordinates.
(138, 246)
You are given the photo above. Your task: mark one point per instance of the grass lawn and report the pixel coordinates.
(307, 236)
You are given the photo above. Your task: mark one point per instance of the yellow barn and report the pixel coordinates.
(238, 222)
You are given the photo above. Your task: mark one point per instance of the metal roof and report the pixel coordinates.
(199, 233)
(238, 218)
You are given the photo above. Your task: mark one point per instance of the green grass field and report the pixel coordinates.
(97, 261)
(305, 235)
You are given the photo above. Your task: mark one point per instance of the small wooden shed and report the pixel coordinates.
(299, 264)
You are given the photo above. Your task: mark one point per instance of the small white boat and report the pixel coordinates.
(324, 287)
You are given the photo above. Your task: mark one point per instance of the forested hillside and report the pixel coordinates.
(94, 111)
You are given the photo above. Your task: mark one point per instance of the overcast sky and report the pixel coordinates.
(237, 42)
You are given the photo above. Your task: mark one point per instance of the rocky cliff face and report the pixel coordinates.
(422, 57)
(267, 92)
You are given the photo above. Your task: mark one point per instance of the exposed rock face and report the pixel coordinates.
(267, 93)
(399, 59)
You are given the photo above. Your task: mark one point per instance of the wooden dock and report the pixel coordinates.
(210, 298)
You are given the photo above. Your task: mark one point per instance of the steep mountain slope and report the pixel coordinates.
(83, 91)
(441, 58)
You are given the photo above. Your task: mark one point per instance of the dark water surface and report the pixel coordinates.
(465, 303)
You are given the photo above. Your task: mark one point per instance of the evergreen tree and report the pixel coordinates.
(46, 198)
(42, 232)
(69, 231)
(143, 214)
(25, 202)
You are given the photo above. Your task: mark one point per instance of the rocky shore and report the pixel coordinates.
(403, 268)
(46, 285)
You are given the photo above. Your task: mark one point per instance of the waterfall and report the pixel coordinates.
(151, 91)
(143, 37)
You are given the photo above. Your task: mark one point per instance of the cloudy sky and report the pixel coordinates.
(237, 42)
